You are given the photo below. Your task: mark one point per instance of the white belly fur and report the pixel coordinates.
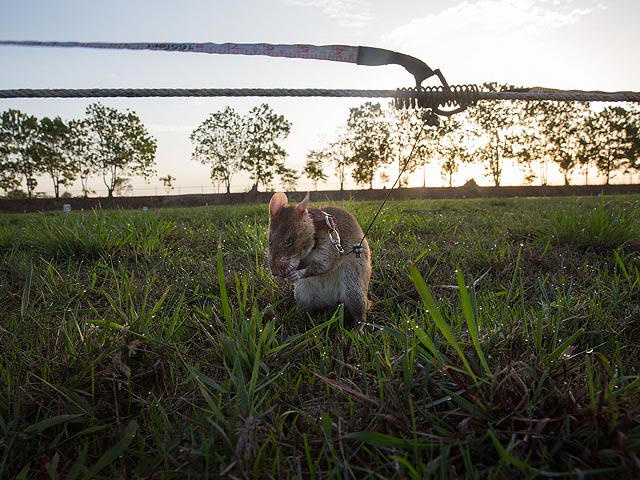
(326, 290)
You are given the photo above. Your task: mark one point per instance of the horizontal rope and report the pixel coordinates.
(523, 94)
(337, 53)
(192, 92)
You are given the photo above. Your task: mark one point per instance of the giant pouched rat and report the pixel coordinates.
(301, 249)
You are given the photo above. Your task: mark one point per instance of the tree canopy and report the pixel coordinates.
(494, 125)
(221, 142)
(107, 142)
(119, 144)
(570, 135)
(264, 157)
(18, 161)
(369, 139)
(53, 149)
(231, 143)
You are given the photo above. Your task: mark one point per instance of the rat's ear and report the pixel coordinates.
(278, 202)
(302, 206)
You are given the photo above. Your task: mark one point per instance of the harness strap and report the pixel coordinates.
(328, 222)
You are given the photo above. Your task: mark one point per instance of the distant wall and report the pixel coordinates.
(171, 201)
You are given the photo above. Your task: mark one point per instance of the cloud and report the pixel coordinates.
(345, 13)
(493, 17)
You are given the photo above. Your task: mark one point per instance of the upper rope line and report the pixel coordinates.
(337, 53)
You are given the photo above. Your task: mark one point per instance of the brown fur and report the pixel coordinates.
(304, 254)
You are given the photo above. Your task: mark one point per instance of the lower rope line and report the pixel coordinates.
(536, 93)
(192, 92)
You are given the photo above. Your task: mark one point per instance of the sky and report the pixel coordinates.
(565, 44)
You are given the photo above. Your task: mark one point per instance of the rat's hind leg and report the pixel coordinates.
(355, 289)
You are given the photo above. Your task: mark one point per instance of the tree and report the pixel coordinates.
(339, 153)
(314, 166)
(288, 178)
(9, 180)
(534, 156)
(264, 156)
(536, 151)
(587, 148)
(451, 148)
(554, 130)
(167, 182)
(221, 141)
(493, 123)
(80, 151)
(410, 134)
(124, 187)
(121, 145)
(370, 141)
(632, 162)
(384, 178)
(52, 149)
(562, 128)
(18, 133)
(613, 140)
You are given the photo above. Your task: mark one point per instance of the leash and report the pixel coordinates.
(429, 119)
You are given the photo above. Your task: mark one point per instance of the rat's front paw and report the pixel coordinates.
(295, 275)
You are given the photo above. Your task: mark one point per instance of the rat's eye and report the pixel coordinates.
(289, 242)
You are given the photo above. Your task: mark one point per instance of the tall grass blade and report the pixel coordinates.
(24, 472)
(224, 297)
(26, 292)
(559, 351)
(79, 464)
(507, 457)
(471, 315)
(438, 319)
(202, 378)
(427, 342)
(52, 422)
(114, 452)
(516, 272)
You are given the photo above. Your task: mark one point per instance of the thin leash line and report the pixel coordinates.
(404, 167)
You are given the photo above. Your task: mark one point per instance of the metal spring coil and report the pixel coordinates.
(454, 96)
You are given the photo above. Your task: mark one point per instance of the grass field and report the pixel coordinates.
(157, 345)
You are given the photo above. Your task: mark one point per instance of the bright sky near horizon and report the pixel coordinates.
(567, 44)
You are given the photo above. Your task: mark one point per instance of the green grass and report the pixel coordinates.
(158, 345)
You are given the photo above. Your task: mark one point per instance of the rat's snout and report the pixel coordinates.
(278, 266)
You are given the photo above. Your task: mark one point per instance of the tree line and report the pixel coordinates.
(107, 142)
(535, 135)
(116, 145)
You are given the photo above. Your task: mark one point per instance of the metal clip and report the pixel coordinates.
(357, 249)
(334, 236)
